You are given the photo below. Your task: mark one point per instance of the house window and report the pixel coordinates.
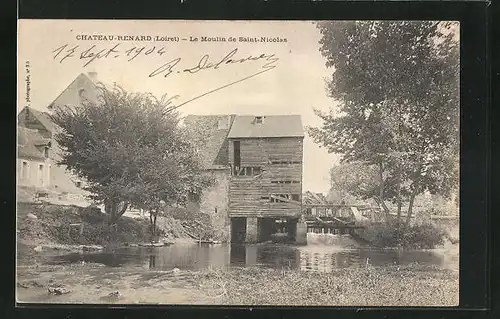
(24, 170)
(40, 175)
(46, 152)
(81, 94)
(259, 119)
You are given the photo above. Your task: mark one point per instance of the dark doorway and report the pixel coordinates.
(238, 229)
(237, 156)
(292, 229)
(267, 228)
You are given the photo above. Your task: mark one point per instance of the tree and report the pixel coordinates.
(397, 87)
(130, 150)
(354, 180)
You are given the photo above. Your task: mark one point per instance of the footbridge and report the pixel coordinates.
(335, 218)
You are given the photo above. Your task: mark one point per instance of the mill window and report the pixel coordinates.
(283, 162)
(246, 171)
(284, 198)
(285, 182)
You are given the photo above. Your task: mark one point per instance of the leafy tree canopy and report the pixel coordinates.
(397, 87)
(130, 149)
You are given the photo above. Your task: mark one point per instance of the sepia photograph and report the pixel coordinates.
(254, 163)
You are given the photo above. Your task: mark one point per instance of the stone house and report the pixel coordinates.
(38, 151)
(209, 134)
(33, 162)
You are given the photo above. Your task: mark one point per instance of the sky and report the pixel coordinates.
(293, 82)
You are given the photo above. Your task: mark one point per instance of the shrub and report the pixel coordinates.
(422, 236)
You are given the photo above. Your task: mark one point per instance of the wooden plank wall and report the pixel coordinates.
(259, 151)
(246, 192)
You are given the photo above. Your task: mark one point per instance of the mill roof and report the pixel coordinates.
(250, 126)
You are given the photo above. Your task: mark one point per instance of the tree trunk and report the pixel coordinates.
(154, 225)
(399, 197)
(381, 192)
(110, 209)
(152, 219)
(115, 210)
(121, 209)
(410, 209)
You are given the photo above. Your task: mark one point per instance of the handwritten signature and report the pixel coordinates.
(206, 62)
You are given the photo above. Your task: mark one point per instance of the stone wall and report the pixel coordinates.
(214, 202)
(252, 234)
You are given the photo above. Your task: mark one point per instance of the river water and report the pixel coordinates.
(323, 253)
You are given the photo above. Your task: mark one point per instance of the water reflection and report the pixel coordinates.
(322, 258)
(328, 261)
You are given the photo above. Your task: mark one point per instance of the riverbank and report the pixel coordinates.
(412, 285)
(52, 227)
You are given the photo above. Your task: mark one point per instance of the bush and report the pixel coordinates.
(422, 236)
(425, 236)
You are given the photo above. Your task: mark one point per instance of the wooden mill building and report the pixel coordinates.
(263, 174)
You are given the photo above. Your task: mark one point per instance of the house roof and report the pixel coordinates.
(71, 93)
(42, 117)
(245, 126)
(210, 140)
(27, 141)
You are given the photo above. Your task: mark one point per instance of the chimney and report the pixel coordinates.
(93, 76)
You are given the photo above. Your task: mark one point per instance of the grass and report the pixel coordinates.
(412, 285)
(365, 286)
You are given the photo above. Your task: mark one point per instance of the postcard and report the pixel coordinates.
(303, 163)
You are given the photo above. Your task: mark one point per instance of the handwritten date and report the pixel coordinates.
(93, 53)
